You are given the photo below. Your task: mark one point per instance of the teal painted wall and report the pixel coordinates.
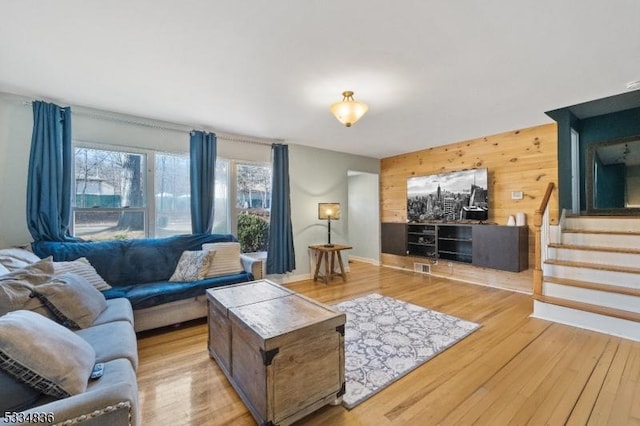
(592, 130)
(610, 185)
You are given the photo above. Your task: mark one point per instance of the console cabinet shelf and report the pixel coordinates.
(490, 246)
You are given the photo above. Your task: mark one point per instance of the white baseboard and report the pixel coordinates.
(365, 260)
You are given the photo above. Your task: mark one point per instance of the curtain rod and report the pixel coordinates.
(171, 127)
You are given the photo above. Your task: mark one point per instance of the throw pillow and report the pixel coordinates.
(72, 299)
(83, 268)
(17, 286)
(192, 266)
(227, 259)
(17, 258)
(44, 355)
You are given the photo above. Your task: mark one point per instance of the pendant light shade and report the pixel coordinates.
(348, 111)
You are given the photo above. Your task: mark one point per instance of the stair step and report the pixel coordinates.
(599, 254)
(626, 329)
(596, 266)
(594, 286)
(604, 223)
(596, 248)
(629, 240)
(588, 307)
(599, 232)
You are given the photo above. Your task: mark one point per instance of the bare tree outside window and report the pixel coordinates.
(109, 194)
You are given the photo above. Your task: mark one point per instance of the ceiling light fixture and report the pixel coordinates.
(348, 111)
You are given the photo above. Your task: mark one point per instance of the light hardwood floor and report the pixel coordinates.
(515, 370)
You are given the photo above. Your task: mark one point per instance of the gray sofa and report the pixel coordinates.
(141, 297)
(109, 400)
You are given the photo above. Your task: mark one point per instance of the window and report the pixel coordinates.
(221, 217)
(110, 194)
(172, 195)
(117, 196)
(130, 193)
(253, 205)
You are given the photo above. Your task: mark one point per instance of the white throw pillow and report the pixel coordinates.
(226, 261)
(192, 266)
(83, 268)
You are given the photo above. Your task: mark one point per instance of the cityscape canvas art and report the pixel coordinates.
(452, 196)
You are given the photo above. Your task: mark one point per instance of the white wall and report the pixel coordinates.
(16, 123)
(316, 175)
(364, 216)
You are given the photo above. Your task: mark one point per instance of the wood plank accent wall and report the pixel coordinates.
(522, 160)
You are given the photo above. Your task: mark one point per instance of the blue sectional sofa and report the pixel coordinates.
(139, 270)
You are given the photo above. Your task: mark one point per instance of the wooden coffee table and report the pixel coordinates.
(282, 352)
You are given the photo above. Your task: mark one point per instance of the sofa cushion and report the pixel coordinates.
(192, 265)
(44, 355)
(83, 268)
(117, 310)
(14, 394)
(72, 299)
(152, 294)
(125, 262)
(226, 260)
(112, 341)
(110, 400)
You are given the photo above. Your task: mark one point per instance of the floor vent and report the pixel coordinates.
(423, 268)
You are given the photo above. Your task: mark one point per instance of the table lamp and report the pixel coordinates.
(329, 211)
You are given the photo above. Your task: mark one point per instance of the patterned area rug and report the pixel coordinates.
(386, 338)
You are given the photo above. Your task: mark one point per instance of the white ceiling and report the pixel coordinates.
(432, 72)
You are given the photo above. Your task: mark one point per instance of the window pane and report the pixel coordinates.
(253, 206)
(112, 185)
(221, 204)
(172, 195)
(109, 179)
(99, 225)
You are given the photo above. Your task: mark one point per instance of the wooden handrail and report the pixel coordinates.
(545, 201)
(537, 223)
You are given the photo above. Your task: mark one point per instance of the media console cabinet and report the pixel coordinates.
(499, 247)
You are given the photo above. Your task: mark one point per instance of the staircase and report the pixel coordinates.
(591, 275)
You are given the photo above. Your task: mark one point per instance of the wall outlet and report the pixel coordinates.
(517, 195)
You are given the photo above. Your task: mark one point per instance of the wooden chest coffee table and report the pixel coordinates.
(282, 352)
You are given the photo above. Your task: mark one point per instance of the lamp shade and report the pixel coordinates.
(348, 111)
(329, 211)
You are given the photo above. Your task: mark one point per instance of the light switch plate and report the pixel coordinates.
(517, 195)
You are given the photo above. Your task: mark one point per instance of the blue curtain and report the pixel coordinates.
(281, 256)
(49, 182)
(203, 151)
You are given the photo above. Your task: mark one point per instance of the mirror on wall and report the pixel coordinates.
(613, 177)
